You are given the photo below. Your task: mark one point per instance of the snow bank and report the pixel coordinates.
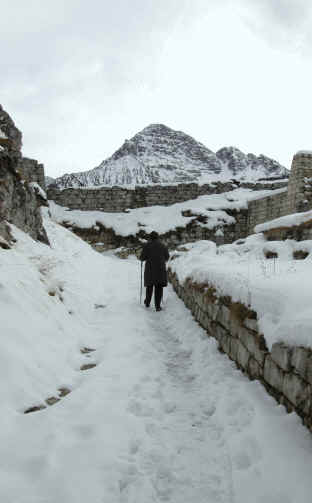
(279, 290)
(43, 320)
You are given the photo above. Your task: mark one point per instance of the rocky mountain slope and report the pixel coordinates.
(159, 154)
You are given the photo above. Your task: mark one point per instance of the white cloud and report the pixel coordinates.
(80, 78)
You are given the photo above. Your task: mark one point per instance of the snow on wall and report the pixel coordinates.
(278, 290)
(218, 217)
(287, 221)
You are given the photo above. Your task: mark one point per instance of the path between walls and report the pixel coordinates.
(163, 417)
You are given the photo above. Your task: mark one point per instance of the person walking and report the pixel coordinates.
(155, 254)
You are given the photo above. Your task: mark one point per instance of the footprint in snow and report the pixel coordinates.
(140, 409)
(239, 414)
(247, 453)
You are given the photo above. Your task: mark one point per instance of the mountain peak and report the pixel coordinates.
(159, 154)
(156, 128)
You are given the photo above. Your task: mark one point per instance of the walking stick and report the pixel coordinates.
(141, 284)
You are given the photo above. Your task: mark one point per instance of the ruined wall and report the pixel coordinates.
(285, 372)
(267, 208)
(103, 238)
(20, 202)
(299, 232)
(32, 171)
(294, 197)
(297, 197)
(118, 199)
(299, 186)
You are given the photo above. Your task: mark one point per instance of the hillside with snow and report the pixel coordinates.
(159, 154)
(158, 414)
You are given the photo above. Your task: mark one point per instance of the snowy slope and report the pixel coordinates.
(159, 154)
(162, 417)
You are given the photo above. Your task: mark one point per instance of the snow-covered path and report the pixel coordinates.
(163, 417)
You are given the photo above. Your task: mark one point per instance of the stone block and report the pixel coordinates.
(309, 370)
(218, 331)
(300, 359)
(281, 354)
(273, 374)
(243, 355)
(207, 323)
(296, 391)
(254, 343)
(255, 370)
(233, 348)
(212, 309)
(223, 316)
(251, 324)
(225, 342)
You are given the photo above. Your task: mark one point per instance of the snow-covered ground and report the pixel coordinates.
(164, 218)
(162, 417)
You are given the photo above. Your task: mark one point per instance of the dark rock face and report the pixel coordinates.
(20, 200)
(247, 166)
(13, 140)
(159, 154)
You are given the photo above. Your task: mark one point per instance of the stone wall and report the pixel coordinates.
(297, 197)
(285, 372)
(32, 171)
(118, 199)
(299, 232)
(267, 208)
(299, 186)
(20, 202)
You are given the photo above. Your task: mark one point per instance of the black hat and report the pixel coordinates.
(154, 235)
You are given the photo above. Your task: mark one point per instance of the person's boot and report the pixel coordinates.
(158, 308)
(146, 304)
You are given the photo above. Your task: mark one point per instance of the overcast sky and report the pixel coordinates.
(78, 77)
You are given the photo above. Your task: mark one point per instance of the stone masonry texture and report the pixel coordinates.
(118, 199)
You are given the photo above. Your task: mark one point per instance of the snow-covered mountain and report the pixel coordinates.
(159, 154)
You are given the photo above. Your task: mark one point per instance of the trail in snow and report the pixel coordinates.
(164, 417)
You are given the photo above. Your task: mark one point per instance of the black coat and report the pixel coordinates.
(155, 254)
